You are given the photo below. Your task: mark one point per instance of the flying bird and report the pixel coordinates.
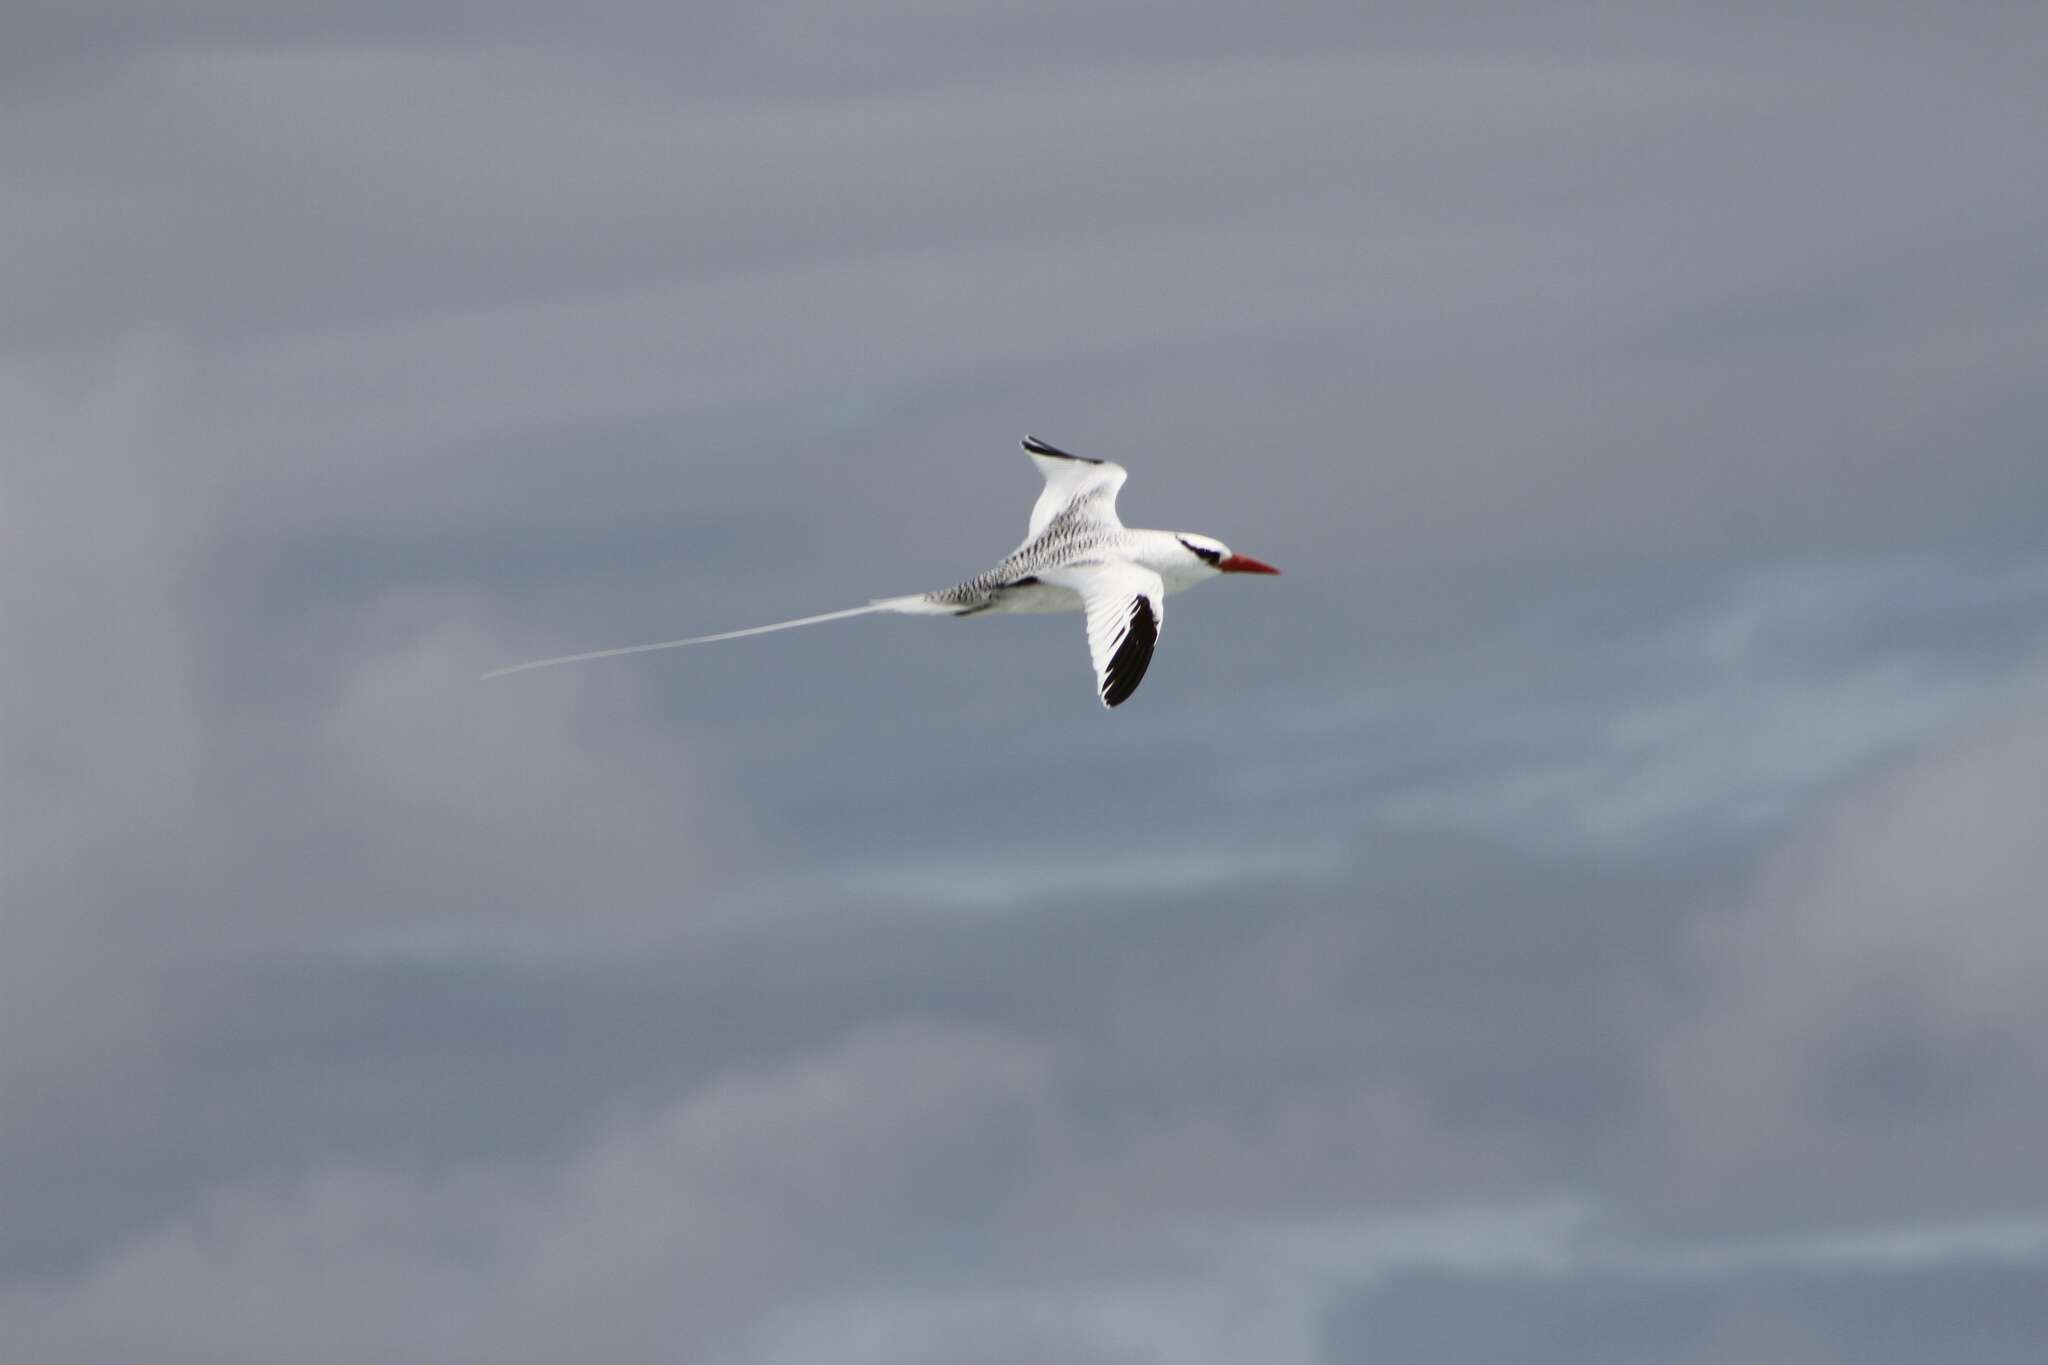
(1076, 556)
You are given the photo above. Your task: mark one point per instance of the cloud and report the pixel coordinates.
(1867, 1015)
(1811, 1318)
(1587, 379)
(187, 793)
(1521, 323)
(1538, 1281)
(103, 783)
(671, 1231)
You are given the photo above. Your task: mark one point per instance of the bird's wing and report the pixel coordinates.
(1125, 605)
(1072, 481)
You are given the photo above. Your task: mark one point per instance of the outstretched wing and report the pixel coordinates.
(1124, 602)
(1071, 481)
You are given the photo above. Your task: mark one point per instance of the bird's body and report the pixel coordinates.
(1076, 556)
(1018, 584)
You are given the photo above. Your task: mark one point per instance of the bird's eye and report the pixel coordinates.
(1212, 556)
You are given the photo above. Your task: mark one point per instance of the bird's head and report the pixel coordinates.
(1210, 554)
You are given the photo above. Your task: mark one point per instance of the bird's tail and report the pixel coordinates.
(916, 604)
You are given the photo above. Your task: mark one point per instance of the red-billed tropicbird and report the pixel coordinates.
(1076, 556)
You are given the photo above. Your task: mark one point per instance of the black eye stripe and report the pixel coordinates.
(1212, 556)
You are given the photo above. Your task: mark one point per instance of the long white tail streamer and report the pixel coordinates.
(885, 605)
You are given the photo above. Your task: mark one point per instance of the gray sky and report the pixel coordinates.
(1588, 909)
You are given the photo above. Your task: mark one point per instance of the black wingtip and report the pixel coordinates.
(1038, 447)
(1127, 666)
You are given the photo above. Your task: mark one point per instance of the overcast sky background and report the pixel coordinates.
(1588, 910)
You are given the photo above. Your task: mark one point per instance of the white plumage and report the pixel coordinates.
(1077, 555)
